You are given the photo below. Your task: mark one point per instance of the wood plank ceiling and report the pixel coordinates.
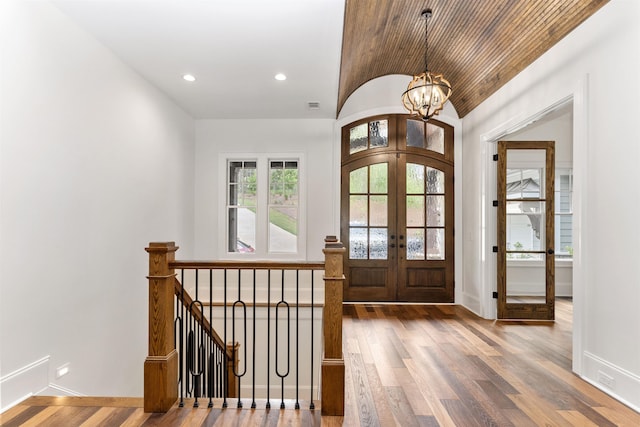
(478, 45)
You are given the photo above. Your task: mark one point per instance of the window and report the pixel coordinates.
(283, 206)
(241, 206)
(374, 134)
(263, 207)
(564, 214)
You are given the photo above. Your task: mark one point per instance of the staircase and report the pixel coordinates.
(243, 334)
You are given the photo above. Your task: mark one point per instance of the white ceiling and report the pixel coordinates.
(234, 48)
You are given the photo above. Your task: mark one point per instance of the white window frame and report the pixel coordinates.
(261, 249)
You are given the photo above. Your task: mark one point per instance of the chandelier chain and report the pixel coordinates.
(426, 39)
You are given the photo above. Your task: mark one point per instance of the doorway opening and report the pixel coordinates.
(523, 273)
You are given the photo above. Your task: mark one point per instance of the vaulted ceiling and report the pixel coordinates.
(327, 48)
(477, 45)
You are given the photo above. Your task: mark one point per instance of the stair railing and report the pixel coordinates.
(188, 357)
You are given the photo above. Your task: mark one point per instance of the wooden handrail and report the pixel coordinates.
(248, 265)
(199, 317)
(161, 365)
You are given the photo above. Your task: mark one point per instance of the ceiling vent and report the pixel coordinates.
(313, 105)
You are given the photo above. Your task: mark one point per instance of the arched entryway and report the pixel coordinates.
(397, 207)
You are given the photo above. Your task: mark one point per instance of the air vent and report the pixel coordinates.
(313, 105)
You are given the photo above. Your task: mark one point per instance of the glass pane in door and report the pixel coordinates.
(435, 138)
(358, 138)
(368, 212)
(525, 226)
(526, 280)
(415, 244)
(425, 213)
(378, 133)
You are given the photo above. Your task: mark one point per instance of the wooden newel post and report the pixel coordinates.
(232, 366)
(332, 396)
(161, 365)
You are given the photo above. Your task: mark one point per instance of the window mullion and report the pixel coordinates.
(262, 212)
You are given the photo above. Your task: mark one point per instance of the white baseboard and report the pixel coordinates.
(613, 380)
(24, 382)
(57, 390)
(472, 303)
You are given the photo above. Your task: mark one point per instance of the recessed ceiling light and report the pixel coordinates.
(189, 77)
(281, 77)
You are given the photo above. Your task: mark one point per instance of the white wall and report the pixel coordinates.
(94, 164)
(312, 139)
(597, 65)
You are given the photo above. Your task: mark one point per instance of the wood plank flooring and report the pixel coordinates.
(417, 365)
(406, 365)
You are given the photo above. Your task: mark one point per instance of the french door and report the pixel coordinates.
(526, 175)
(397, 210)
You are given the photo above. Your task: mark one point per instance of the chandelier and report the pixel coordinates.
(427, 92)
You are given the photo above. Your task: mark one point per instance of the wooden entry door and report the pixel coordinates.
(397, 210)
(526, 174)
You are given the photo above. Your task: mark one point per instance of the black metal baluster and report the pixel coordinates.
(225, 361)
(181, 354)
(177, 335)
(241, 303)
(311, 405)
(277, 346)
(211, 342)
(297, 405)
(196, 332)
(253, 361)
(188, 356)
(219, 361)
(268, 406)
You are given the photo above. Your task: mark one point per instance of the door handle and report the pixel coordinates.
(393, 245)
(550, 251)
(401, 245)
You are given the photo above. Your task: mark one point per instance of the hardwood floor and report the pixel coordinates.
(442, 365)
(406, 365)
